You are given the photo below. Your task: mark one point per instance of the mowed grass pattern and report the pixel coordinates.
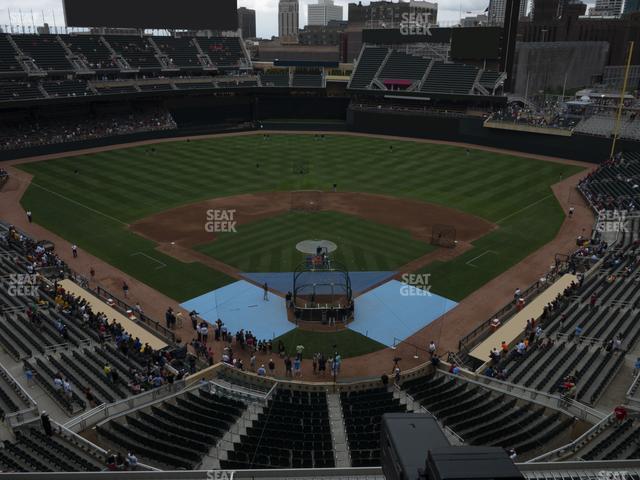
(270, 245)
(89, 199)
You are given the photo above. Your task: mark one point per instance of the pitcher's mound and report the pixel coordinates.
(311, 246)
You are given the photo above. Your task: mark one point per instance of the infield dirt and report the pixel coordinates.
(446, 330)
(177, 230)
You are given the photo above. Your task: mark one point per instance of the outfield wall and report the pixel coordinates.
(110, 141)
(207, 114)
(197, 115)
(471, 130)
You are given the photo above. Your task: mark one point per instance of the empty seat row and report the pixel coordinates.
(175, 433)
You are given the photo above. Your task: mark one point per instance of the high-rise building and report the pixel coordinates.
(323, 12)
(421, 7)
(545, 11)
(288, 13)
(497, 9)
(572, 9)
(387, 14)
(606, 8)
(329, 34)
(631, 6)
(476, 21)
(247, 22)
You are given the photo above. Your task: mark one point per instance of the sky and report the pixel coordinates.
(266, 12)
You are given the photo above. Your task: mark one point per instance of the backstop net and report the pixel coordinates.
(443, 235)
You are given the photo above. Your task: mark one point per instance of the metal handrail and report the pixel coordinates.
(141, 318)
(13, 419)
(239, 389)
(116, 409)
(558, 452)
(81, 439)
(54, 348)
(484, 329)
(424, 409)
(271, 391)
(556, 402)
(631, 400)
(17, 384)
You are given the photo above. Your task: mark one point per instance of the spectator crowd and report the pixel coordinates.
(30, 133)
(252, 347)
(548, 115)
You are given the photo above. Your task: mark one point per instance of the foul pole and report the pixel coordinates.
(616, 130)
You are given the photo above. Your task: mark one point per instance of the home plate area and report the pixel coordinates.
(389, 311)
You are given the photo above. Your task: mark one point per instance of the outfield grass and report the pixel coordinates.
(269, 245)
(90, 199)
(492, 253)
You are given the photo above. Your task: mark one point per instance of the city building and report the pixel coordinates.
(272, 50)
(429, 9)
(247, 22)
(543, 11)
(618, 32)
(631, 6)
(476, 21)
(573, 9)
(497, 10)
(321, 13)
(383, 14)
(288, 18)
(606, 8)
(322, 34)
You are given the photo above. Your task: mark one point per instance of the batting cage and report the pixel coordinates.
(443, 236)
(322, 290)
(306, 200)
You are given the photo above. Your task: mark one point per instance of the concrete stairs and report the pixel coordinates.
(338, 432)
(220, 452)
(413, 406)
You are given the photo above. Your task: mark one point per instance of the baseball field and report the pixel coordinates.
(108, 202)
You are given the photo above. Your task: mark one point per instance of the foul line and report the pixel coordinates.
(481, 255)
(80, 204)
(162, 265)
(525, 208)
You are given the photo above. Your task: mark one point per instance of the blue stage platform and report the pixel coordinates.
(240, 305)
(389, 310)
(392, 310)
